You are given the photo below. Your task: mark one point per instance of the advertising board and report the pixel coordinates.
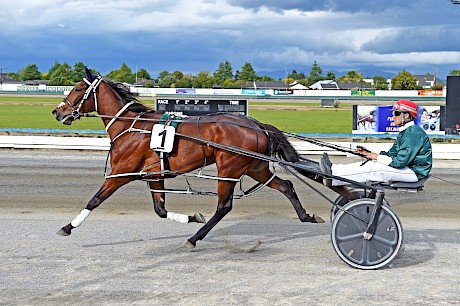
(379, 120)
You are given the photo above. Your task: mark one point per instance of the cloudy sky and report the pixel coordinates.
(196, 35)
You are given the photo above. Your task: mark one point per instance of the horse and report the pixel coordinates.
(367, 119)
(131, 157)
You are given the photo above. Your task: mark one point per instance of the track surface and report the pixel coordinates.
(259, 254)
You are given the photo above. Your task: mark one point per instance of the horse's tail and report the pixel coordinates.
(279, 146)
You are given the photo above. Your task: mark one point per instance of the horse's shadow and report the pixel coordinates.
(247, 236)
(244, 232)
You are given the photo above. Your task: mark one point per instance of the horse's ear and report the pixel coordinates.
(89, 75)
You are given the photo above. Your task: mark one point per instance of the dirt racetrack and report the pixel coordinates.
(259, 254)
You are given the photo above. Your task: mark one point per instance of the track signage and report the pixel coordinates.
(196, 107)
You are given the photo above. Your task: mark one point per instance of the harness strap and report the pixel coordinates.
(118, 114)
(257, 187)
(91, 87)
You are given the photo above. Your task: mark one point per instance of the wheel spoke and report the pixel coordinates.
(385, 241)
(366, 253)
(352, 237)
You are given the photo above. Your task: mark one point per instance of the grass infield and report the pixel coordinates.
(301, 117)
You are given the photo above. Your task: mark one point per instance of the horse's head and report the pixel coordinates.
(79, 100)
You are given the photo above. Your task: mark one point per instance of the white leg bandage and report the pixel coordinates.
(177, 217)
(80, 218)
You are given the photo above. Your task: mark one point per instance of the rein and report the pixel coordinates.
(288, 134)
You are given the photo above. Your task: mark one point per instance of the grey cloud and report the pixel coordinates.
(421, 39)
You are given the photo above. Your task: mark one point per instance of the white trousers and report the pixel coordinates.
(371, 171)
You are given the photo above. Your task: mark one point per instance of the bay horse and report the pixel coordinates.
(131, 157)
(367, 118)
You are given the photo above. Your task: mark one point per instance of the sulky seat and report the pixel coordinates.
(409, 187)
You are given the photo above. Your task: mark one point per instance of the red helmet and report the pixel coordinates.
(406, 106)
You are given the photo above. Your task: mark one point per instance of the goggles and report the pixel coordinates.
(396, 113)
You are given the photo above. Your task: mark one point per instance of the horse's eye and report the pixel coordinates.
(78, 89)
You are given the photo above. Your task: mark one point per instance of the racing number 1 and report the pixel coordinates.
(163, 139)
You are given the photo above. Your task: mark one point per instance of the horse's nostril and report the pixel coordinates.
(54, 112)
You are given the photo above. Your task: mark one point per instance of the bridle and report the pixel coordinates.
(92, 87)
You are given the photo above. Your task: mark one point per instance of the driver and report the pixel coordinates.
(408, 160)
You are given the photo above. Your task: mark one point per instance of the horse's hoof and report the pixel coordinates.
(61, 232)
(318, 219)
(199, 218)
(312, 219)
(188, 245)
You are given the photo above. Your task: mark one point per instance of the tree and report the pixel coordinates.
(203, 80)
(330, 75)
(455, 72)
(30, 72)
(112, 74)
(352, 76)
(162, 74)
(185, 82)
(247, 73)
(78, 72)
(178, 74)
(166, 79)
(14, 76)
(296, 76)
(143, 74)
(404, 81)
(265, 78)
(224, 72)
(124, 75)
(316, 74)
(380, 83)
(229, 83)
(315, 70)
(287, 80)
(53, 69)
(60, 75)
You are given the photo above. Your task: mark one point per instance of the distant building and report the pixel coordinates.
(37, 82)
(354, 85)
(8, 84)
(427, 81)
(325, 85)
(298, 86)
(145, 82)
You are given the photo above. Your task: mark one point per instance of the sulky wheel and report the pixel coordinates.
(348, 230)
(340, 201)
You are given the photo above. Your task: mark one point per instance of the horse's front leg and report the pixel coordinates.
(159, 201)
(106, 190)
(224, 206)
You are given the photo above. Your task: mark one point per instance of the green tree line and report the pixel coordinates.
(223, 76)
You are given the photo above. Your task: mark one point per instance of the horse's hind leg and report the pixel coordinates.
(159, 201)
(263, 174)
(106, 190)
(224, 206)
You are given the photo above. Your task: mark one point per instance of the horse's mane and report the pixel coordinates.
(127, 96)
